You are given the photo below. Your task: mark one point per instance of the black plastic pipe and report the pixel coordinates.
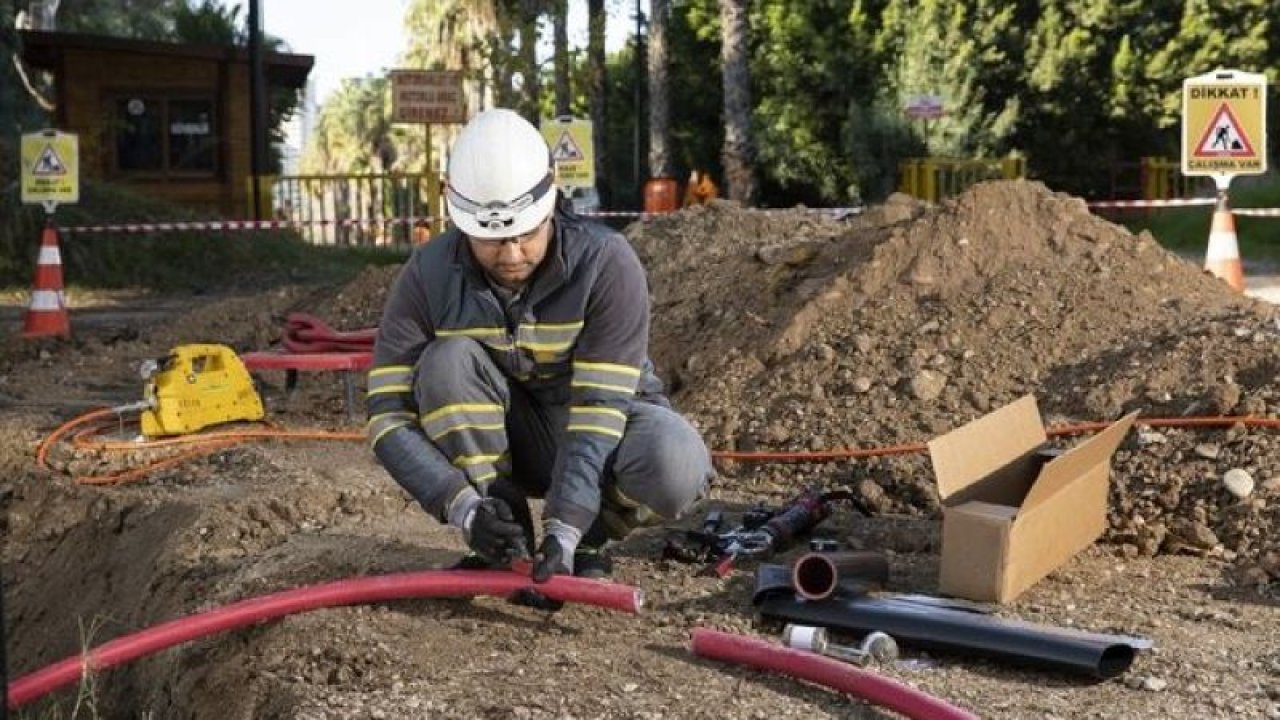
(940, 624)
(942, 628)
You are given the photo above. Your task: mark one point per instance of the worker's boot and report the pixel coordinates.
(589, 560)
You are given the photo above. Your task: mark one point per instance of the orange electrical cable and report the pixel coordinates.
(208, 443)
(1062, 430)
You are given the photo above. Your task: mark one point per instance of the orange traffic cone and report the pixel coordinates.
(47, 314)
(1223, 256)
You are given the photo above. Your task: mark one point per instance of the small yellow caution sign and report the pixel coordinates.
(1224, 125)
(571, 150)
(50, 168)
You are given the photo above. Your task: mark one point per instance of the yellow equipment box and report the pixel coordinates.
(197, 386)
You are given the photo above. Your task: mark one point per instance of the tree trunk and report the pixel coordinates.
(659, 101)
(738, 153)
(531, 90)
(560, 15)
(596, 98)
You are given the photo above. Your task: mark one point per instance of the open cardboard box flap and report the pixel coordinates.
(984, 447)
(1077, 461)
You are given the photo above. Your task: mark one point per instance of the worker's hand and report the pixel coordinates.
(494, 534)
(549, 560)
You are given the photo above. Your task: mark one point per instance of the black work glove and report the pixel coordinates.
(494, 533)
(549, 560)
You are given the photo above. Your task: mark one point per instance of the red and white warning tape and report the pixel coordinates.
(221, 225)
(236, 225)
(1257, 212)
(1171, 202)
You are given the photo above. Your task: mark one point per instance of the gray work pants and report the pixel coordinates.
(507, 440)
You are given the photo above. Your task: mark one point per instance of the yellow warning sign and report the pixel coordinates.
(1224, 124)
(50, 168)
(571, 150)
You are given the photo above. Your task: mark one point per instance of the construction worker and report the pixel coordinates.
(512, 362)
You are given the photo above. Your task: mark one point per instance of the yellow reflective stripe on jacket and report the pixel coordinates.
(452, 418)
(463, 461)
(380, 425)
(475, 332)
(602, 420)
(605, 376)
(547, 337)
(390, 379)
(468, 426)
(494, 337)
(461, 408)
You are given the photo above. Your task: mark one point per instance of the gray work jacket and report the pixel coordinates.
(578, 335)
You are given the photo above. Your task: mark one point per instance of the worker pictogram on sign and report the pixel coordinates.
(1224, 137)
(48, 163)
(566, 150)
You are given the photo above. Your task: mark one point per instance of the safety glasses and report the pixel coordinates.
(497, 242)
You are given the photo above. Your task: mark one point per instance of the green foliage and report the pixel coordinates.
(209, 23)
(142, 19)
(1073, 85)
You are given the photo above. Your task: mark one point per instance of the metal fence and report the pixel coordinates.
(933, 178)
(360, 210)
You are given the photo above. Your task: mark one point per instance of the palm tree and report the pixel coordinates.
(738, 153)
(659, 101)
(560, 22)
(596, 98)
(455, 35)
(531, 85)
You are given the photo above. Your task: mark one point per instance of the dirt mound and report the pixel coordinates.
(783, 331)
(778, 330)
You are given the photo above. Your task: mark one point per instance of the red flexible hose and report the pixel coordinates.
(845, 678)
(427, 584)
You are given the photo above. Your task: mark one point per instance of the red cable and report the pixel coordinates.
(427, 584)
(845, 678)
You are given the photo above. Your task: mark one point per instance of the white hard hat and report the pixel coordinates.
(501, 182)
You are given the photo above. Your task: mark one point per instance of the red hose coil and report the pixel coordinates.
(845, 678)
(427, 584)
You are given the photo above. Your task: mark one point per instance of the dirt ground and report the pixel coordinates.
(783, 331)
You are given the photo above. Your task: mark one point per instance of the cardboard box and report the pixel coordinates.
(1010, 517)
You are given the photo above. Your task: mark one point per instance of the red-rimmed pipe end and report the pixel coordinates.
(842, 677)
(814, 576)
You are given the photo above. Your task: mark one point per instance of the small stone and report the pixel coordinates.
(863, 384)
(1150, 437)
(928, 384)
(1238, 482)
(1208, 450)
(864, 343)
(630, 687)
(1154, 684)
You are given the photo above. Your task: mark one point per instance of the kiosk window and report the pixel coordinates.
(159, 135)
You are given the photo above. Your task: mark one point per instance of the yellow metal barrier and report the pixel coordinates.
(1162, 179)
(935, 178)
